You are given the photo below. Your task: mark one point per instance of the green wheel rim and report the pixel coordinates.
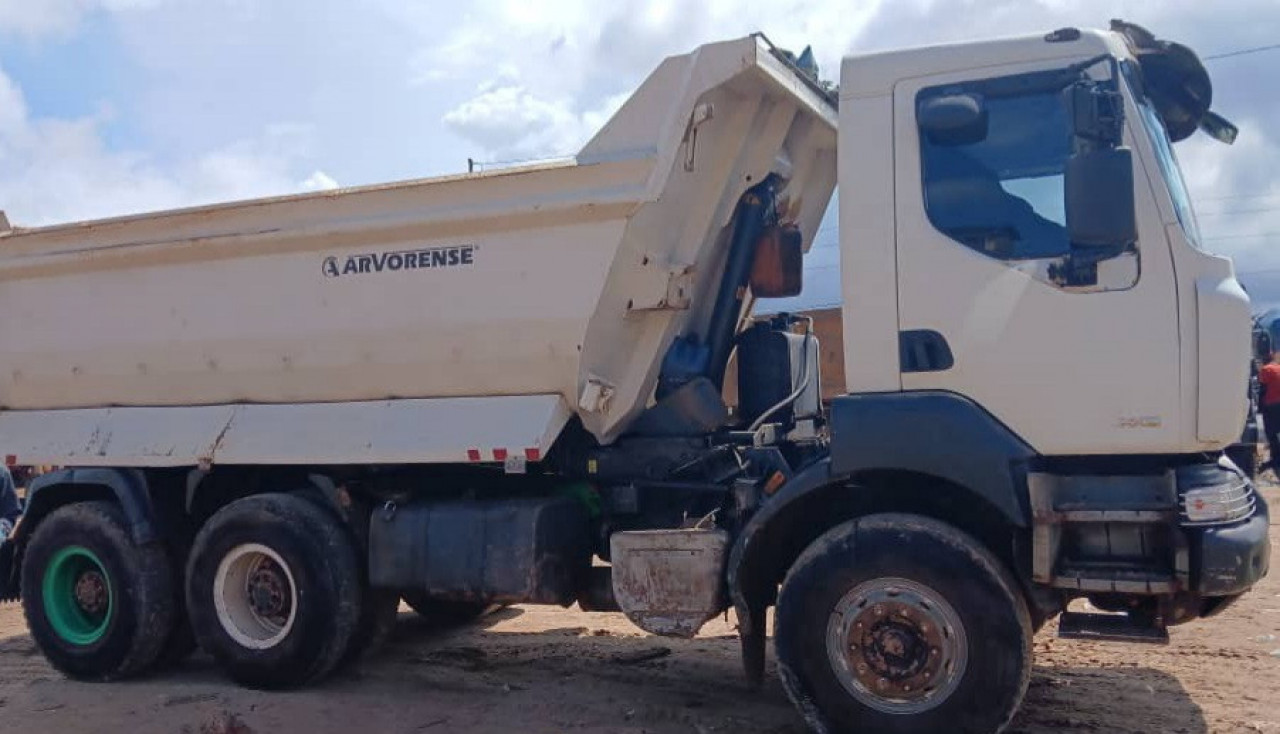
(77, 593)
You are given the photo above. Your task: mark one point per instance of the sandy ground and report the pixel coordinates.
(533, 669)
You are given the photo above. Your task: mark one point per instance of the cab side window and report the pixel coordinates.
(1002, 195)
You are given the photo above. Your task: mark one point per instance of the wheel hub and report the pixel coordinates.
(255, 596)
(91, 592)
(268, 592)
(75, 591)
(893, 652)
(896, 645)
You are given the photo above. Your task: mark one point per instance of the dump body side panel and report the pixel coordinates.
(568, 279)
(441, 430)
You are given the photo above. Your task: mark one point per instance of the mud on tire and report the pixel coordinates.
(99, 606)
(378, 612)
(900, 623)
(273, 591)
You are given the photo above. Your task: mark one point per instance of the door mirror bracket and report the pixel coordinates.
(1098, 180)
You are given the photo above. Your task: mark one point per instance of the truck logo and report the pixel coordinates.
(380, 262)
(1140, 421)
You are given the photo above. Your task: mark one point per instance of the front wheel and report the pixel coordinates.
(900, 623)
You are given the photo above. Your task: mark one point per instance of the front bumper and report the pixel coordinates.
(1228, 560)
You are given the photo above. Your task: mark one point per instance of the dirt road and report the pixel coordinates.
(533, 669)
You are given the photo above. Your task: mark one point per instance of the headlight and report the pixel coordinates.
(1219, 504)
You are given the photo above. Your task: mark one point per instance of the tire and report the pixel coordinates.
(900, 623)
(99, 606)
(181, 642)
(443, 613)
(378, 613)
(273, 591)
(179, 646)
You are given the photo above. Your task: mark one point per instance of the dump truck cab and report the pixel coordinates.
(1029, 265)
(973, 244)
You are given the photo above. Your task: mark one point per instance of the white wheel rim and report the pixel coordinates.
(255, 596)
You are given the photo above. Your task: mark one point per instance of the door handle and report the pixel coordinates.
(924, 350)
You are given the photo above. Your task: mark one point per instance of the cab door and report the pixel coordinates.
(984, 310)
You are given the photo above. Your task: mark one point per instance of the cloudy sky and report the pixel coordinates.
(117, 106)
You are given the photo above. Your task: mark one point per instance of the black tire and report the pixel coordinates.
(303, 553)
(444, 613)
(854, 573)
(181, 642)
(378, 613)
(86, 547)
(180, 645)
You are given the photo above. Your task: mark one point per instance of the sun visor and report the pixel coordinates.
(1177, 84)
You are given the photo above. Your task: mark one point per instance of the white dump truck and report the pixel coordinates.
(281, 417)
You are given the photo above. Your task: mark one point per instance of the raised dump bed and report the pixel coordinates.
(552, 289)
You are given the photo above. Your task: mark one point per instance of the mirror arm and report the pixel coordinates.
(1079, 268)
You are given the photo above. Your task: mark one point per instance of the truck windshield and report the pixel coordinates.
(1168, 161)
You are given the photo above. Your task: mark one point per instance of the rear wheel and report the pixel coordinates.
(378, 612)
(181, 642)
(445, 613)
(899, 623)
(273, 590)
(99, 606)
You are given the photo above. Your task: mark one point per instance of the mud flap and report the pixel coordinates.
(669, 582)
(751, 631)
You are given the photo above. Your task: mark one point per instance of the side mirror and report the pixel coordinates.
(1219, 128)
(953, 119)
(1099, 198)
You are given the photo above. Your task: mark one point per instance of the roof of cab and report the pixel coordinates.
(875, 74)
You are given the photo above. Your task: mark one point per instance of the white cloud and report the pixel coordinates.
(510, 122)
(13, 109)
(34, 18)
(554, 72)
(1237, 193)
(54, 170)
(318, 181)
